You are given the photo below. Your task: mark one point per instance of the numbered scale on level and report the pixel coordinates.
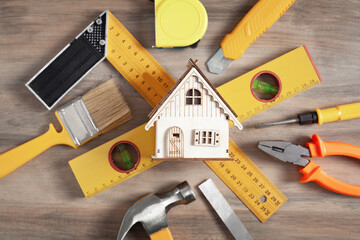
(93, 170)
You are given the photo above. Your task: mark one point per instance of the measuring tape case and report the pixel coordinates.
(294, 71)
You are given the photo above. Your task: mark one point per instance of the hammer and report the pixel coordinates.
(151, 212)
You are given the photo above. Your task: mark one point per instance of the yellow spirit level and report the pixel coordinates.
(293, 71)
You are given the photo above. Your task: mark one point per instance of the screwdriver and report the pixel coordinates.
(320, 116)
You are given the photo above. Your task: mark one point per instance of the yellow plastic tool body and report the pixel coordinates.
(136, 64)
(16, 157)
(296, 73)
(339, 113)
(163, 234)
(295, 70)
(94, 172)
(179, 23)
(264, 14)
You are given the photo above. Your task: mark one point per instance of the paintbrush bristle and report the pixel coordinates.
(107, 106)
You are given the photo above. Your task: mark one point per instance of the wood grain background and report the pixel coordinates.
(42, 199)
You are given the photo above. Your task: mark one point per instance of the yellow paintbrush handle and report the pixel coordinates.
(342, 112)
(264, 14)
(16, 157)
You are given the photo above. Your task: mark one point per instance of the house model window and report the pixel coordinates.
(206, 138)
(193, 97)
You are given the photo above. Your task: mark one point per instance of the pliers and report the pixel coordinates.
(287, 152)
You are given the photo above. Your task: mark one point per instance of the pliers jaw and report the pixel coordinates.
(312, 172)
(286, 152)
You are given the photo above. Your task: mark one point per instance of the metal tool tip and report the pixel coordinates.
(263, 145)
(262, 125)
(213, 69)
(217, 63)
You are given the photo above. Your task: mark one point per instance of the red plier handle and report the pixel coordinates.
(313, 172)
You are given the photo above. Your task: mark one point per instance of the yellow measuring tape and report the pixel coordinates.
(93, 170)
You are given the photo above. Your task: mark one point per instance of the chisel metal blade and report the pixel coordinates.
(217, 63)
(223, 209)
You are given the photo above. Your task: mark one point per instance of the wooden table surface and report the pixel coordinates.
(42, 199)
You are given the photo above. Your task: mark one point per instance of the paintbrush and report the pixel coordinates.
(98, 111)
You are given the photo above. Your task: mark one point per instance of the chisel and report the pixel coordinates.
(223, 209)
(264, 14)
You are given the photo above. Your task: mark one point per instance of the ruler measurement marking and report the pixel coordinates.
(242, 176)
(283, 96)
(247, 191)
(145, 62)
(248, 183)
(119, 45)
(248, 194)
(141, 85)
(119, 179)
(141, 88)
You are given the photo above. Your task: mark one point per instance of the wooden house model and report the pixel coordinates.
(192, 120)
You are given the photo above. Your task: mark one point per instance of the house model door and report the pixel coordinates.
(175, 143)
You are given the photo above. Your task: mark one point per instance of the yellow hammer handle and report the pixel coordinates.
(16, 157)
(339, 113)
(264, 14)
(163, 234)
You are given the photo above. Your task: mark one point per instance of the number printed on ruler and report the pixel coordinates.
(136, 64)
(148, 77)
(282, 97)
(151, 80)
(246, 180)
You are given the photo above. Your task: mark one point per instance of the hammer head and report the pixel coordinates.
(151, 210)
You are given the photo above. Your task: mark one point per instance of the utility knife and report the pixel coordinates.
(264, 14)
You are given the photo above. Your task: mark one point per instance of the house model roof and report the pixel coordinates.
(153, 115)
